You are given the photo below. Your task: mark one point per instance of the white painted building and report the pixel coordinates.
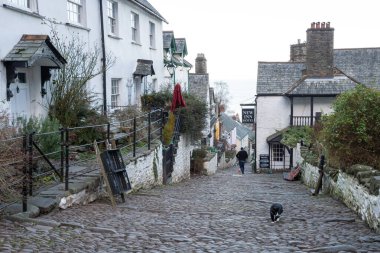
(132, 33)
(298, 92)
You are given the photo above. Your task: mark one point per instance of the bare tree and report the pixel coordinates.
(222, 95)
(69, 95)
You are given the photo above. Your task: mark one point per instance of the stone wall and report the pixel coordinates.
(211, 165)
(347, 189)
(145, 170)
(181, 167)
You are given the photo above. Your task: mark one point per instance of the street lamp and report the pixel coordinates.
(171, 69)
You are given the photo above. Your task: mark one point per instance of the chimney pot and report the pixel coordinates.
(323, 25)
(318, 25)
(313, 25)
(328, 25)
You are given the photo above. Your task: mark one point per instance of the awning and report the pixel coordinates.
(144, 68)
(277, 136)
(33, 48)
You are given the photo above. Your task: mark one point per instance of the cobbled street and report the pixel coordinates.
(220, 213)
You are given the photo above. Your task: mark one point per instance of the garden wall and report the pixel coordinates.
(347, 189)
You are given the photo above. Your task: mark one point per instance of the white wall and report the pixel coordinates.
(19, 22)
(181, 167)
(301, 105)
(272, 115)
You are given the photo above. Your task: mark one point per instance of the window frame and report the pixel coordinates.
(29, 5)
(112, 19)
(278, 152)
(78, 13)
(152, 34)
(115, 92)
(135, 31)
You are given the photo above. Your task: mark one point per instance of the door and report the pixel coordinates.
(19, 104)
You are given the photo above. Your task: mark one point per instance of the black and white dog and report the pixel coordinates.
(275, 212)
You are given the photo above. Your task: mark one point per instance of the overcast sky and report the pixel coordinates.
(235, 35)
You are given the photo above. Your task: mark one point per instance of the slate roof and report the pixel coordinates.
(277, 77)
(31, 48)
(241, 131)
(168, 40)
(357, 65)
(363, 64)
(144, 68)
(148, 7)
(181, 47)
(322, 86)
(227, 121)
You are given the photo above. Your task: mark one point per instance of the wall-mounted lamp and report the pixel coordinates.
(171, 69)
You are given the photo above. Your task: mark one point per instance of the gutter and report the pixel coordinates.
(103, 59)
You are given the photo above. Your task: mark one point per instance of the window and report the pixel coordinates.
(278, 152)
(22, 3)
(135, 26)
(30, 5)
(115, 93)
(75, 11)
(112, 16)
(152, 35)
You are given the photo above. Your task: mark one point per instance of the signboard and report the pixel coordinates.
(248, 115)
(264, 161)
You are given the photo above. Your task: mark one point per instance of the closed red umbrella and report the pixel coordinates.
(178, 100)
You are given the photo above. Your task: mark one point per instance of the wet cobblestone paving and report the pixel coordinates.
(220, 213)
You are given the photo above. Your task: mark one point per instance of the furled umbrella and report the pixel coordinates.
(178, 100)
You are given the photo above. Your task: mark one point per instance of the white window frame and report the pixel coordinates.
(115, 92)
(152, 34)
(76, 12)
(30, 5)
(112, 14)
(278, 152)
(135, 32)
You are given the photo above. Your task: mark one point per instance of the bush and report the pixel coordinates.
(351, 133)
(294, 135)
(197, 160)
(48, 143)
(168, 130)
(193, 117)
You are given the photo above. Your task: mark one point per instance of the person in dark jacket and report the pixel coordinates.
(242, 155)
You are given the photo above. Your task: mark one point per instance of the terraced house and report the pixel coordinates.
(128, 30)
(299, 91)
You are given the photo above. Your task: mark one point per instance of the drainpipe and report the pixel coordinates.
(103, 59)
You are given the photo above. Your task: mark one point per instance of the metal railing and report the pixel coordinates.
(69, 150)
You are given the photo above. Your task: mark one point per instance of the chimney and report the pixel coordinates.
(320, 50)
(298, 52)
(200, 64)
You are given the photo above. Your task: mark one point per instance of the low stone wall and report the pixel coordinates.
(347, 189)
(181, 167)
(145, 170)
(211, 166)
(223, 164)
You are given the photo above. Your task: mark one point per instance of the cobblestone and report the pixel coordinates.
(219, 213)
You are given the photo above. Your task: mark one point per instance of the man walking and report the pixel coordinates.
(242, 156)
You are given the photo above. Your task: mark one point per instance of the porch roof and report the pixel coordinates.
(32, 48)
(277, 136)
(144, 68)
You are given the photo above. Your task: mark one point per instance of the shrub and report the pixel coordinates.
(193, 117)
(197, 160)
(168, 130)
(48, 143)
(294, 135)
(351, 133)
